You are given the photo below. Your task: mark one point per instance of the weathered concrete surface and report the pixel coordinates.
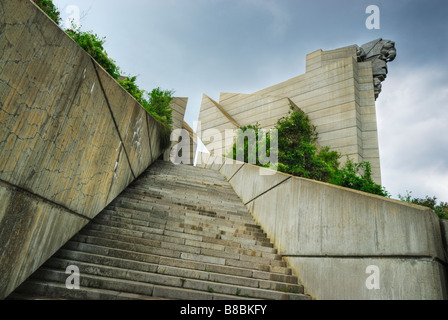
(330, 235)
(71, 139)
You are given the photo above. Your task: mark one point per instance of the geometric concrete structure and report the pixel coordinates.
(337, 92)
(71, 139)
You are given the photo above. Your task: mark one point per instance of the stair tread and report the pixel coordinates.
(169, 261)
(149, 281)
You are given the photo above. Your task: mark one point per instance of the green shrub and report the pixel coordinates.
(300, 155)
(50, 9)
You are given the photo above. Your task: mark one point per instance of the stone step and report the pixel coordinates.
(158, 209)
(141, 283)
(155, 186)
(185, 186)
(130, 228)
(186, 216)
(173, 239)
(177, 232)
(81, 251)
(159, 186)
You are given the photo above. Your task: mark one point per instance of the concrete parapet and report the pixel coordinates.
(330, 235)
(71, 139)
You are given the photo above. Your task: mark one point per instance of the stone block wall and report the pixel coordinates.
(71, 139)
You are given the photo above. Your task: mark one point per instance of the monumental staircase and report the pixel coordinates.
(177, 232)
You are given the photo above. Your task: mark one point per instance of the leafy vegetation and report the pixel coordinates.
(440, 209)
(157, 102)
(159, 105)
(50, 9)
(300, 155)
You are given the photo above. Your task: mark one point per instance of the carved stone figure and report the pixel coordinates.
(380, 52)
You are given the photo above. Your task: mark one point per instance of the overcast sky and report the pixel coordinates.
(213, 46)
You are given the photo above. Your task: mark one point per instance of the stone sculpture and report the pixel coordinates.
(380, 52)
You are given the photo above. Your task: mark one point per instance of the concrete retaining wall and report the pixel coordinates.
(331, 235)
(71, 139)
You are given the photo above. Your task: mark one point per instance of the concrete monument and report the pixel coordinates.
(337, 92)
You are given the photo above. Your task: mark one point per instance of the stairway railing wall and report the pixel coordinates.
(342, 243)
